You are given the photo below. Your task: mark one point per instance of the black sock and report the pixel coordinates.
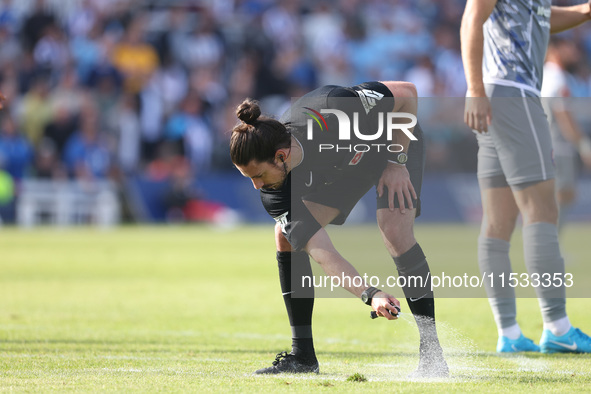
(299, 309)
(413, 264)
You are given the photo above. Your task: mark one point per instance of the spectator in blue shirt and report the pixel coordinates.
(16, 152)
(87, 155)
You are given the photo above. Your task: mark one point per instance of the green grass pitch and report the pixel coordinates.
(198, 309)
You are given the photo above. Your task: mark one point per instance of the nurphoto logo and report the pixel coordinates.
(350, 129)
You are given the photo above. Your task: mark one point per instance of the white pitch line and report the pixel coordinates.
(114, 357)
(122, 370)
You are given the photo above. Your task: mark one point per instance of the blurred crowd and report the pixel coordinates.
(111, 88)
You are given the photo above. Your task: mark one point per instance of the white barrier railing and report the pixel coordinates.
(65, 203)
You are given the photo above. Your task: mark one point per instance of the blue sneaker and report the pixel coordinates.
(521, 344)
(574, 341)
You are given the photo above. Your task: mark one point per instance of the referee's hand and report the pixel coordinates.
(382, 302)
(2, 100)
(396, 179)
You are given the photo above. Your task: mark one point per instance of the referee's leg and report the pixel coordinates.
(398, 235)
(299, 309)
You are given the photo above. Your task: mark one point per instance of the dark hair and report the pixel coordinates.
(256, 137)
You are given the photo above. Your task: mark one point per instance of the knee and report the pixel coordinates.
(499, 227)
(397, 237)
(281, 242)
(541, 211)
(537, 203)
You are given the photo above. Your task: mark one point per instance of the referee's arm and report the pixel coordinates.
(405, 100)
(322, 250)
(395, 179)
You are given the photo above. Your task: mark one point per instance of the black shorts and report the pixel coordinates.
(346, 192)
(298, 225)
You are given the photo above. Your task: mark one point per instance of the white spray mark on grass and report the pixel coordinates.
(526, 364)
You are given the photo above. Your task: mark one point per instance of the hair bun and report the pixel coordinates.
(249, 111)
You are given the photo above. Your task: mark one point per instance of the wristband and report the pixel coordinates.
(401, 158)
(397, 163)
(368, 294)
